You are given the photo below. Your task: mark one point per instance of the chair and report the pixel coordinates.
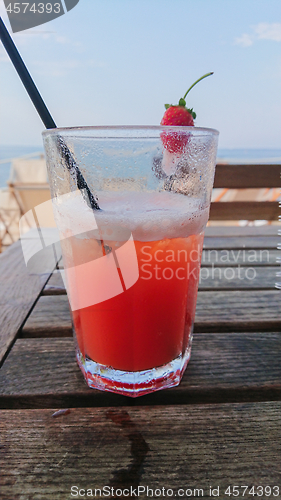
(27, 187)
(28, 183)
(9, 218)
(246, 192)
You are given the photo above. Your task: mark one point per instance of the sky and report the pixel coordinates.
(117, 62)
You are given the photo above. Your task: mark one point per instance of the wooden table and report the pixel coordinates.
(219, 428)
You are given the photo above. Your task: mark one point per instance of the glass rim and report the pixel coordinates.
(70, 131)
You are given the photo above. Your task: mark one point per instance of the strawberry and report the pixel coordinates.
(175, 142)
(178, 115)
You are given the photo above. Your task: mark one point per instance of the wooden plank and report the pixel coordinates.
(42, 373)
(19, 289)
(247, 242)
(238, 278)
(216, 311)
(243, 257)
(247, 176)
(55, 285)
(245, 210)
(50, 317)
(263, 230)
(189, 447)
(230, 311)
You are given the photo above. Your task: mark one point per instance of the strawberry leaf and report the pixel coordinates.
(193, 114)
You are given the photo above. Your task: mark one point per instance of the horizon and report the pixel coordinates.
(220, 150)
(229, 155)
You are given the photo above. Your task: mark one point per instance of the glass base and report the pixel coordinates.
(134, 384)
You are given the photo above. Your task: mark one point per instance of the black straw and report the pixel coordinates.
(25, 77)
(42, 109)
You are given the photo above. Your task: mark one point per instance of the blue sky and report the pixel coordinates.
(110, 62)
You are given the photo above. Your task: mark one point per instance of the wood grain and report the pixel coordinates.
(226, 310)
(19, 289)
(174, 447)
(223, 230)
(50, 317)
(229, 311)
(245, 210)
(238, 278)
(247, 176)
(237, 242)
(240, 257)
(55, 285)
(223, 368)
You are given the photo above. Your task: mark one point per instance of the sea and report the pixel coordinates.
(7, 153)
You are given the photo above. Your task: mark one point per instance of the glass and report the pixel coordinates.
(131, 266)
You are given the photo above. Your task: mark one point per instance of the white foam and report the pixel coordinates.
(148, 216)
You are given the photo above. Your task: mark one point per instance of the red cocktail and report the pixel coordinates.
(132, 266)
(150, 324)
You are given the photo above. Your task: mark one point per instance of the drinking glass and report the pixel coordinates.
(131, 236)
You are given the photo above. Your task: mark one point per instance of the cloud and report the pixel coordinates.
(55, 68)
(268, 31)
(61, 39)
(261, 31)
(244, 40)
(28, 38)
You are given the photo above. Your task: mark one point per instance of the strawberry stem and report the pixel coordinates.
(204, 76)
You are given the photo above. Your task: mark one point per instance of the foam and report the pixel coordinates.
(148, 216)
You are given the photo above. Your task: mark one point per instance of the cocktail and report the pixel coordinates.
(132, 258)
(131, 205)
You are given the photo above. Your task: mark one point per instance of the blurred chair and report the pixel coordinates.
(245, 194)
(27, 187)
(9, 218)
(28, 183)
